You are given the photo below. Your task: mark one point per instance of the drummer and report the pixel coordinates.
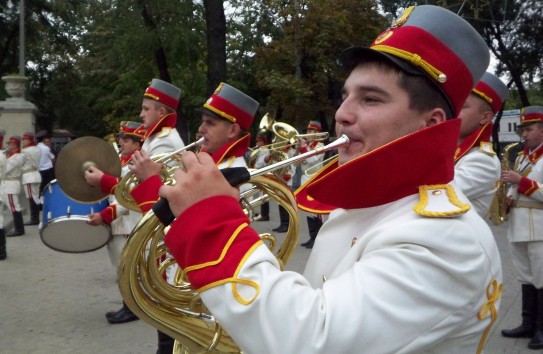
(121, 220)
(159, 116)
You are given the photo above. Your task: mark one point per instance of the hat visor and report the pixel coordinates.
(353, 56)
(208, 112)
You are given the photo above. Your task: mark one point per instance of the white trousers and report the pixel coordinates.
(528, 262)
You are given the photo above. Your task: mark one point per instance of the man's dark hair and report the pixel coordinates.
(423, 94)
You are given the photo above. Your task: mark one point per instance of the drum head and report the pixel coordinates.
(74, 235)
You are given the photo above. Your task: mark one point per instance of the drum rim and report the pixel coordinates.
(43, 238)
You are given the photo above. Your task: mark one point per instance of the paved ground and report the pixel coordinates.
(52, 302)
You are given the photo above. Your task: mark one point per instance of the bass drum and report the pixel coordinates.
(65, 227)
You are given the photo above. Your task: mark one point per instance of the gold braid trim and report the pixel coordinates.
(415, 60)
(493, 294)
(483, 95)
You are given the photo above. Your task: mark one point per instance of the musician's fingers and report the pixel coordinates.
(188, 158)
(204, 158)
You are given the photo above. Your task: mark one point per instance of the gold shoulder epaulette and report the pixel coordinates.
(486, 147)
(164, 132)
(439, 201)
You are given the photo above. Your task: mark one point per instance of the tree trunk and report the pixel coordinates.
(216, 43)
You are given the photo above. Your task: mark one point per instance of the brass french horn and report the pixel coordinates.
(170, 162)
(177, 310)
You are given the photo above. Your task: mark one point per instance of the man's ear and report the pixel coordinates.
(486, 118)
(235, 131)
(435, 116)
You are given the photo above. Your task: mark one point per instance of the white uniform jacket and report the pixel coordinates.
(126, 219)
(11, 177)
(371, 273)
(166, 140)
(31, 164)
(477, 174)
(526, 218)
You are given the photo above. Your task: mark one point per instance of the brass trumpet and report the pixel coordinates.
(170, 162)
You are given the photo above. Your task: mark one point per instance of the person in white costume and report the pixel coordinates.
(477, 168)
(3, 252)
(314, 222)
(159, 116)
(121, 219)
(10, 183)
(31, 176)
(403, 264)
(525, 233)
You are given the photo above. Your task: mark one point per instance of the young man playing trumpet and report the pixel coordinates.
(402, 265)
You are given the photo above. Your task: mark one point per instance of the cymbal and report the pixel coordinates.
(74, 158)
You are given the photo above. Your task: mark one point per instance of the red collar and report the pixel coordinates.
(390, 172)
(168, 121)
(535, 155)
(13, 152)
(125, 159)
(480, 135)
(236, 148)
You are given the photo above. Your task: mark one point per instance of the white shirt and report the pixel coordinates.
(47, 157)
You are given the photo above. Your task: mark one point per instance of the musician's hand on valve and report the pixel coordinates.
(95, 219)
(143, 166)
(93, 176)
(512, 177)
(199, 180)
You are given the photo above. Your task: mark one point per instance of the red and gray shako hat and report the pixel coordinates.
(229, 103)
(15, 139)
(315, 125)
(530, 115)
(132, 129)
(492, 90)
(435, 42)
(29, 135)
(164, 93)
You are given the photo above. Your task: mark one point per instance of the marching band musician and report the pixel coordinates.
(226, 119)
(121, 219)
(525, 233)
(262, 160)
(314, 222)
(31, 176)
(159, 116)
(288, 179)
(3, 252)
(477, 168)
(11, 183)
(402, 265)
(158, 113)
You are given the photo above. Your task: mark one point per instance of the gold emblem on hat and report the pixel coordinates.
(403, 18)
(383, 37)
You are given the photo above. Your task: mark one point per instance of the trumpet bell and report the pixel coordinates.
(283, 131)
(265, 123)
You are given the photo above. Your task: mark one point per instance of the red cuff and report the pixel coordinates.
(527, 186)
(146, 193)
(303, 149)
(210, 240)
(109, 214)
(108, 184)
